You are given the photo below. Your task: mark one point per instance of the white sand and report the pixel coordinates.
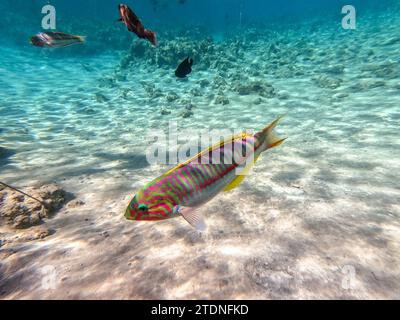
(314, 210)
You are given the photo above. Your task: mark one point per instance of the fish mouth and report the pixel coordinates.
(128, 214)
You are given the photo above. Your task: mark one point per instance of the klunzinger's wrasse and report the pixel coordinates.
(182, 190)
(55, 40)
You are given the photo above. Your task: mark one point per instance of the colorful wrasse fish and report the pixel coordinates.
(132, 22)
(55, 39)
(180, 191)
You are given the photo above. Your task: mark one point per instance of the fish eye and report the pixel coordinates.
(143, 207)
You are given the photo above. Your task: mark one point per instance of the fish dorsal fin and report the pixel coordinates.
(193, 217)
(242, 135)
(239, 179)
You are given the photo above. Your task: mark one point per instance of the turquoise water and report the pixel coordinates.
(325, 202)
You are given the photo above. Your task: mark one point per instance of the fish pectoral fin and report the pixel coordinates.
(239, 179)
(192, 216)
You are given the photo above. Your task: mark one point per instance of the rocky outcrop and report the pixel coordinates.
(21, 211)
(256, 87)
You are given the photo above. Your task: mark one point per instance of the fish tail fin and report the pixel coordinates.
(268, 138)
(82, 38)
(154, 39)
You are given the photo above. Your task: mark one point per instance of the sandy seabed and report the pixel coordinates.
(319, 217)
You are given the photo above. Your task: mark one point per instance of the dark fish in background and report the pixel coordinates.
(55, 40)
(184, 68)
(132, 22)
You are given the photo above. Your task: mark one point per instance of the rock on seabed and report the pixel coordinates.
(22, 212)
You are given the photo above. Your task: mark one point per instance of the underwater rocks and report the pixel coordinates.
(334, 70)
(386, 70)
(188, 111)
(22, 212)
(256, 87)
(138, 49)
(100, 98)
(75, 203)
(107, 82)
(271, 275)
(219, 82)
(371, 83)
(187, 114)
(164, 111)
(170, 52)
(171, 97)
(367, 84)
(204, 83)
(327, 82)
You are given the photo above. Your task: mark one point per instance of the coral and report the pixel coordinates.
(170, 53)
(165, 111)
(171, 97)
(325, 81)
(204, 83)
(256, 87)
(75, 203)
(107, 82)
(189, 106)
(99, 97)
(221, 100)
(335, 69)
(386, 70)
(21, 211)
(187, 113)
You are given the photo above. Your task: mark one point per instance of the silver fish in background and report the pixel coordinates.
(55, 40)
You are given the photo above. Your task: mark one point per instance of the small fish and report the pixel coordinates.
(184, 68)
(55, 39)
(132, 22)
(182, 190)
